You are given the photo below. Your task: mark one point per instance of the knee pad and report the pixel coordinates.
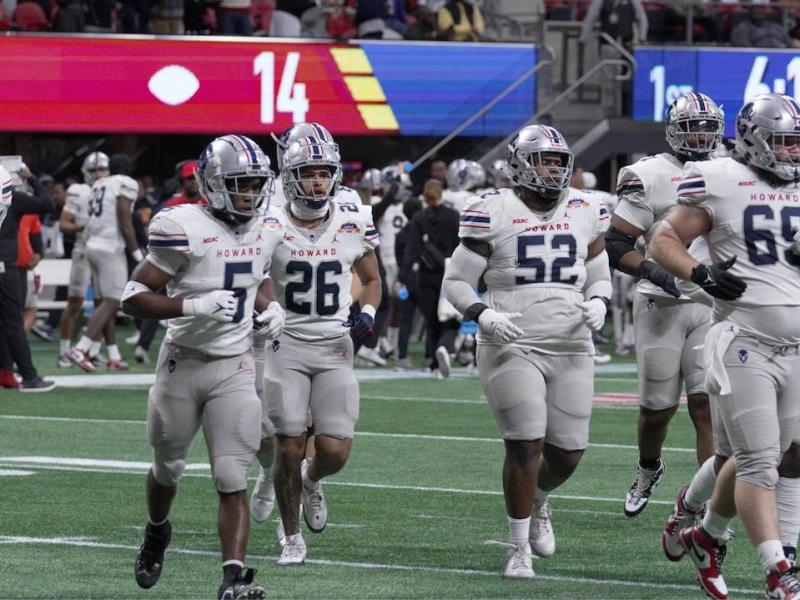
(230, 472)
(759, 468)
(169, 472)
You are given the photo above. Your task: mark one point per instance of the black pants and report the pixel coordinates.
(437, 333)
(14, 346)
(147, 331)
(408, 309)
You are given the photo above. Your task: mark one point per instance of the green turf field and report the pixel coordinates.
(418, 511)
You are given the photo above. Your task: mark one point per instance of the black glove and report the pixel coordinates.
(715, 280)
(361, 327)
(659, 276)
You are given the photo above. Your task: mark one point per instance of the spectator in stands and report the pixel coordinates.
(339, 22)
(190, 192)
(69, 18)
(618, 18)
(14, 347)
(166, 18)
(286, 20)
(99, 15)
(381, 19)
(759, 32)
(233, 17)
(432, 238)
(461, 21)
(425, 27)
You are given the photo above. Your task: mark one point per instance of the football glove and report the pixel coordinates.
(219, 305)
(656, 274)
(361, 327)
(269, 324)
(716, 280)
(594, 313)
(499, 326)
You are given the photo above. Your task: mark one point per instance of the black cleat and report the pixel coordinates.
(150, 559)
(242, 588)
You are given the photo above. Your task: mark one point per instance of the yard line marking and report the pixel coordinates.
(135, 469)
(418, 399)
(375, 434)
(83, 543)
(14, 473)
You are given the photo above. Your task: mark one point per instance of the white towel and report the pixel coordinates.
(718, 339)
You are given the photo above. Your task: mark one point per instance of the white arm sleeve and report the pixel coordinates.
(461, 277)
(598, 277)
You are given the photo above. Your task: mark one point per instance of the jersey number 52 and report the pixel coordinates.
(527, 244)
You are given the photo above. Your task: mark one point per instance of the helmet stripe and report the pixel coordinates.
(320, 132)
(316, 149)
(248, 147)
(700, 102)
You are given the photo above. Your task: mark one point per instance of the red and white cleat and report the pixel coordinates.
(707, 555)
(81, 359)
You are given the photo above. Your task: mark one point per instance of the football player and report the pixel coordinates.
(541, 252)
(6, 189)
(669, 328)
(463, 178)
(310, 367)
(109, 233)
(747, 209)
(74, 218)
(212, 260)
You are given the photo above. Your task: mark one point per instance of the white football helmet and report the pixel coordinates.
(317, 149)
(694, 125)
(498, 174)
(396, 174)
(95, 161)
(223, 165)
(372, 181)
(768, 135)
(526, 153)
(298, 132)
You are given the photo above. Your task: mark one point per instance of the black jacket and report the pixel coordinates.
(432, 237)
(22, 203)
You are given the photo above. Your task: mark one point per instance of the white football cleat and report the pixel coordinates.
(371, 356)
(262, 501)
(644, 484)
(543, 541)
(443, 359)
(520, 562)
(314, 506)
(293, 552)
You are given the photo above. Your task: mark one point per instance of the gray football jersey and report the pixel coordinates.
(537, 264)
(312, 269)
(754, 221)
(203, 254)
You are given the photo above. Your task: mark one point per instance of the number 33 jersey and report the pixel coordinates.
(311, 269)
(537, 264)
(203, 254)
(755, 222)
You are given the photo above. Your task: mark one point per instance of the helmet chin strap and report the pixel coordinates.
(304, 213)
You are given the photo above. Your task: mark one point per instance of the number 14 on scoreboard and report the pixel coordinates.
(291, 97)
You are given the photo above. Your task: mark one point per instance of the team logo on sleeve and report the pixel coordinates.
(271, 223)
(349, 227)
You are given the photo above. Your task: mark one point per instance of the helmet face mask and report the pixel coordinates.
(234, 175)
(94, 167)
(695, 125)
(540, 160)
(768, 135)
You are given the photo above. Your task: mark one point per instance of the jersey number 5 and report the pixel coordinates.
(753, 237)
(324, 289)
(231, 271)
(525, 242)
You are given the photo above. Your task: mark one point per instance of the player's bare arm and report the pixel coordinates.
(674, 234)
(67, 223)
(147, 303)
(367, 270)
(126, 226)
